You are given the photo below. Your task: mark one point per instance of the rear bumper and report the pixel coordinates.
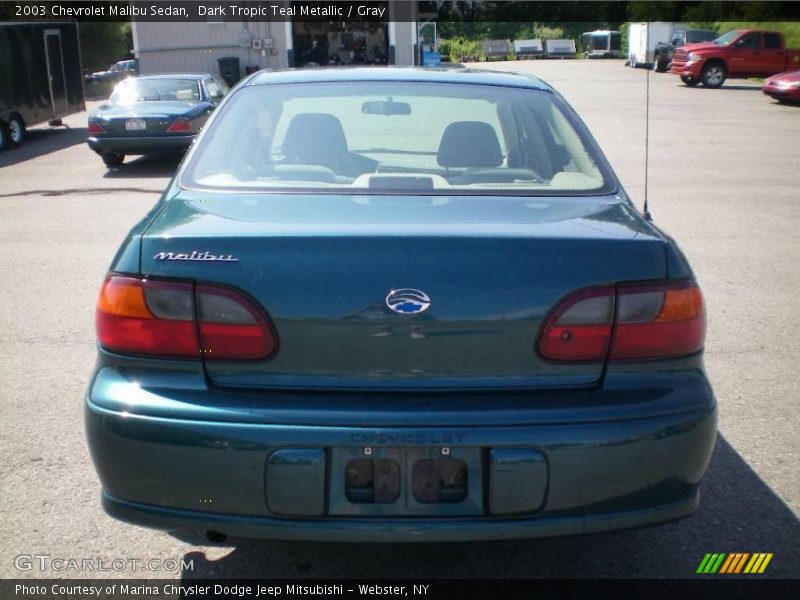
(396, 530)
(142, 145)
(185, 472)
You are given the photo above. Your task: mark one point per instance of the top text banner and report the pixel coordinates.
(179, 11)
(371, 11)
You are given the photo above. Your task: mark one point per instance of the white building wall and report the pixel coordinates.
(403, 36)
(195, 47)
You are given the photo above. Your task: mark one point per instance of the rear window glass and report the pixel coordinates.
(155, 90)
(362, 137)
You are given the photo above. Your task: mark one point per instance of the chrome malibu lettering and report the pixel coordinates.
(195, 256)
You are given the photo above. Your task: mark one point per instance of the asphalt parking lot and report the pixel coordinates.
(724, 179)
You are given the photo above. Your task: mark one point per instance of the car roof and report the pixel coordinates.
(401, 74)
(175, 76)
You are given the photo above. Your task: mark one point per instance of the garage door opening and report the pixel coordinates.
(323, 42)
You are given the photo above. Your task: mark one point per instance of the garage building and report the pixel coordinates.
(163, 47)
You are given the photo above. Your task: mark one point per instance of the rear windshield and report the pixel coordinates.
(404, 137)
(155, 90)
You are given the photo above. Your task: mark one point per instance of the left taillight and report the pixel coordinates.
(178, 319)
(95, 127)
(180, 126)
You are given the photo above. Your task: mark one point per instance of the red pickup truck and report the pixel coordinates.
(738, 53)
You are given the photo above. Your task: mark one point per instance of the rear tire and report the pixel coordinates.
(3, 137)
(16, 131)
(111, 159)
(714, 75)
(690, 81)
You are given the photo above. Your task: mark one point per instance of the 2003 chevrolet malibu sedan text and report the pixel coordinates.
(398, 304)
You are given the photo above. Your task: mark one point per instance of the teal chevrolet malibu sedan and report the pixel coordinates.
(153, 115)
(398, 305)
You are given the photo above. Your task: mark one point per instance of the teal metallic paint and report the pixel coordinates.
(518, 479)
(295, 482)
(398, 530)
(179, 390)
(335, 332)
(601, 476)
(470, 76)
(186, 443)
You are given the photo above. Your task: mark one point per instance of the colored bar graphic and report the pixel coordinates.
(727, 564)
(722, 563)
(711, 563)
(717, 563)
(740, 563)
(758, 563)
(755, 562)
(765, 563)
(703, 563)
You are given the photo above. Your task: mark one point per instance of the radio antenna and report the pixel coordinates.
(646, 212)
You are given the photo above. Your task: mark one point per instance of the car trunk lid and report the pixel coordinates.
(322, 266)
(156, 116)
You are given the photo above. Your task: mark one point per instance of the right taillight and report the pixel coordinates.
(180, 126)
(178, 319)
(626, 322)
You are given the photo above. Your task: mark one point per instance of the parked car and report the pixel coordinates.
(153, 114)
(784, 87)
(115, 73)
(739, 53)
(40, 77)
(398, 305)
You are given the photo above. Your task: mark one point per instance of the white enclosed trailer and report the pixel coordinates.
(528, 48)
(601, 43)
(643, 38)
(560, 48)
(496, 49)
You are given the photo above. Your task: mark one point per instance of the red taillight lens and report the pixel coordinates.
(627, 322)
(580, 327)
(159, 318)
(658, 321)
(147, 317)
(94, 127)
(231, 327)
(180, 126)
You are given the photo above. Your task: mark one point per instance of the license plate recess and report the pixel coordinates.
(426, 481)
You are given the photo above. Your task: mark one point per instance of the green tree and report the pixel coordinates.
(104, 43)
